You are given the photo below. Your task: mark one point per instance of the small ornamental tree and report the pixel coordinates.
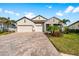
(55, 30)
(66, 29)
(49, 28)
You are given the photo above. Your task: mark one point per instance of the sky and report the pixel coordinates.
(61, 10)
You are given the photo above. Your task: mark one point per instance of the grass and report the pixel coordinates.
(68, 43)
(4, 33)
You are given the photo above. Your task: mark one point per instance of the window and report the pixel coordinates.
(56, 24)
(47, 25)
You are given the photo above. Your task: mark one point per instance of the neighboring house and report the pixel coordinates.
(36, 24)
(74, 25)
(0, 26)
(12, 27)
(3, 27)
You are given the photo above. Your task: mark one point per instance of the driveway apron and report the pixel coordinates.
(26, 44)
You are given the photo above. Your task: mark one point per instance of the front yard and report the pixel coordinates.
(69, 43)
(5, 33)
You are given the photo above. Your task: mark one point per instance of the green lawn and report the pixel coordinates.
(5, 33)
(69, 43)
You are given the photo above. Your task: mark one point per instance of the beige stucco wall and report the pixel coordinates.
(52, 21)
(41, 25)
(27, 22)
(74, 26)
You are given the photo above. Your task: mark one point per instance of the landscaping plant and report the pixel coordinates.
(55, 30)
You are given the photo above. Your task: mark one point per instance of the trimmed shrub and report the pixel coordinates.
(73, 30)
(54, 30)
(57, 34)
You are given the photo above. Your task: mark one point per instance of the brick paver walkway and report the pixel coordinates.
(26, 44)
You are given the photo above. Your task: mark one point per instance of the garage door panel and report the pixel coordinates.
(24, 28)
(39, 28)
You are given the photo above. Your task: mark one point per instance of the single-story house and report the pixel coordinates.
(12, 27)
(74, 25)
(4, 27)
(36, 24)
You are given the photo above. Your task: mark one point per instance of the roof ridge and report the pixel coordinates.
(73, 23)
(23, 17)
(40, 16)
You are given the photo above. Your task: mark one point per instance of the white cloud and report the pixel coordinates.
(11, 12)
(49, 6)
(0, 9)
(76, 10)
(59, 13)
(30, 15)
(69, 9)
(17, 14)
(72, 9)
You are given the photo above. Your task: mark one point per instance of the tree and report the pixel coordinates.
(6, 21)
(13, 21)
(54, 29)
(49, 28)
(10, 22)
(66, 29)
(65, 21)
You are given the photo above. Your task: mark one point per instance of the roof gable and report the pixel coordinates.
(23, 18)
(52, 18)
(39, 17)
(55, 18)
(24, 21)
(73, 23)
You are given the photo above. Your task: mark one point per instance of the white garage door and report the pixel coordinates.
(39, 28)
(25, 28)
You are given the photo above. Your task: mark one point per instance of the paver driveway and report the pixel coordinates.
(26, 44)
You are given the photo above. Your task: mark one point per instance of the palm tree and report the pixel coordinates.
(53, 29)
(3, 20)
(65, 21)
(6, 22)
(10, 22)
(49, 28)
